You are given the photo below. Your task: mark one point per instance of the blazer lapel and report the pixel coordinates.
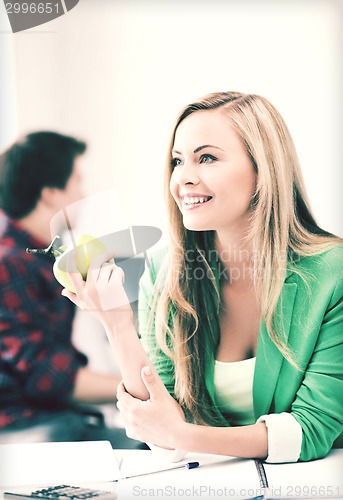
(269, 359)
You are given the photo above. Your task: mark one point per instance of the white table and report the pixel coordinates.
(224, 477)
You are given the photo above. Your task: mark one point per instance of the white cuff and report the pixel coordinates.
(284, 437)
(171, 455)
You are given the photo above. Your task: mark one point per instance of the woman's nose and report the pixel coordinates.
(188, 174)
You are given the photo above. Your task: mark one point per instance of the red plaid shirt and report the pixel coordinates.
(38, 362)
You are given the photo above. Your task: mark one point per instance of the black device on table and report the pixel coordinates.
(61, 492)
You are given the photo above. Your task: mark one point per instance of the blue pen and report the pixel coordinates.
(189, 465)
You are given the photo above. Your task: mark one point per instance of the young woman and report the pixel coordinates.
(241, 318)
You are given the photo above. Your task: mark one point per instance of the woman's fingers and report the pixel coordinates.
(117, 275)
(77, 282)
(103, 289)
(125, 402)
(70, 295)
(73, 273)
(153, 383)
(101, 259)
(110, 273)
(100, 270)
(103, 274)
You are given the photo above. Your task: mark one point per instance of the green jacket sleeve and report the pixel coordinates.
(318, 405)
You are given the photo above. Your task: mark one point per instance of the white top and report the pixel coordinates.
(233, 383)
(233, 390)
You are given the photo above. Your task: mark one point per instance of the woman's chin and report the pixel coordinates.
(196, 226)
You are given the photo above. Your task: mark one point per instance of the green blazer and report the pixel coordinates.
(313, 324)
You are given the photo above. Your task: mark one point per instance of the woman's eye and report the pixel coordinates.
(175, 162)
(207, 158)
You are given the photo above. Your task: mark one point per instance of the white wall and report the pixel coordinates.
(116, 73)
(8, 123)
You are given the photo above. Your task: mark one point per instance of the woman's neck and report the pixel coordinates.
(234, 254)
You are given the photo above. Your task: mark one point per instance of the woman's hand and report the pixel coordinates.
(156, 420)
(102, 294)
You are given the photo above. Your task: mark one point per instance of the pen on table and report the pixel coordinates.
(265, 496)
(189, 465)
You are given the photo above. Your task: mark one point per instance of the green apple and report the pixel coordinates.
(87, 248)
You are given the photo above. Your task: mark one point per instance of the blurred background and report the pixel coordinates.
(116, 72)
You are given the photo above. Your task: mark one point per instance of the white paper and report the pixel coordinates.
(217, 477)
(316, 479)
(57, 463)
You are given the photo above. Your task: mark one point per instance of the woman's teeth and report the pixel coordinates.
(194, 200)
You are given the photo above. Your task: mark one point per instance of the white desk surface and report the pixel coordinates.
(224, 477)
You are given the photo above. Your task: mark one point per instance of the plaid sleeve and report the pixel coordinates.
(35, 335)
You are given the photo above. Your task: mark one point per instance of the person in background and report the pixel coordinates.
(44, 380)
(241, 317)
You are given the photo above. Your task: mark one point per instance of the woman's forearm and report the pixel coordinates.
(104, 296)
(130, 355)
(249, 441)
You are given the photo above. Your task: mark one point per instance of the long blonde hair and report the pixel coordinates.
(185, 312)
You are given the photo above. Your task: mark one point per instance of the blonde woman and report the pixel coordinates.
(241, 318)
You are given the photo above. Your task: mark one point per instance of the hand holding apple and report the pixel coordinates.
(102, 293)
(91, 280)
(87, 248)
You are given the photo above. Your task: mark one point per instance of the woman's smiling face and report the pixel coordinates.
(213, 178)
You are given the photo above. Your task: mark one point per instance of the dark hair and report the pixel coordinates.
(40, 159)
